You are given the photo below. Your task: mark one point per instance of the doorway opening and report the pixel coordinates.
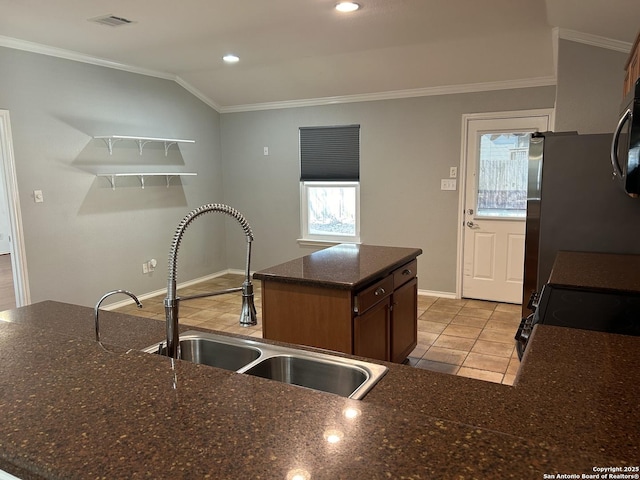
(10, 203)
(493, 187)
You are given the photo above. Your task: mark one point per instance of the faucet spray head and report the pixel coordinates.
(248, 313)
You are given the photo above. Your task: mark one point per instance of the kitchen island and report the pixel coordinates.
(72, 409)
(355, 299)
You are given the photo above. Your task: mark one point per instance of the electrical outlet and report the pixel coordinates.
(37, 196)
(448, 184)
(150, 266)
(453, 172)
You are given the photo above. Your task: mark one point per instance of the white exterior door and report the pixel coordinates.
(496, 153)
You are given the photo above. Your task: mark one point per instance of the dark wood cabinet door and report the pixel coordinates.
(404, 331)
(371, 332)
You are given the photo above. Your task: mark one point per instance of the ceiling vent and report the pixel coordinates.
(111, 20)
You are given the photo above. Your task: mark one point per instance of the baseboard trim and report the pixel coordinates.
(188, 283)
(433, 293)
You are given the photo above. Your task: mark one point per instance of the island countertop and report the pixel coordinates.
(346, 266)
(72, 409)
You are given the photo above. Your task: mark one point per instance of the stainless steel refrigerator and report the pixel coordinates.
(574, 204)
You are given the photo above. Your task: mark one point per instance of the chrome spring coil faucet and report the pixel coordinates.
(171, 302)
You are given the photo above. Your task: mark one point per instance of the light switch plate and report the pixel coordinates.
(453, 172)
(448, 184)
(37, 196)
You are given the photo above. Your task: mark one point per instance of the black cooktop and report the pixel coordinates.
(604, 311)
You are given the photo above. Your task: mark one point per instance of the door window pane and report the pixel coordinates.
(502, 175)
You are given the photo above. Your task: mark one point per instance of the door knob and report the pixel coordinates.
(471, 225)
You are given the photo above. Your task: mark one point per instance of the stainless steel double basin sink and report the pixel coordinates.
(318, 371)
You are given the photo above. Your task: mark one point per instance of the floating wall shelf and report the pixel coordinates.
(141, 141)
(112, 176)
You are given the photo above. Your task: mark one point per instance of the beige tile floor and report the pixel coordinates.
(470, 338)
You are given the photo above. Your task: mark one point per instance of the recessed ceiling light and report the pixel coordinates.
(231, 58)
(347, 7)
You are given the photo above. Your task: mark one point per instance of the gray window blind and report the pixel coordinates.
(330, 153)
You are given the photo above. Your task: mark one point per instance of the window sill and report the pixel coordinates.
(306, 242)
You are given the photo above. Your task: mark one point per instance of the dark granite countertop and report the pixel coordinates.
(345, 266)
(597, 271)
(71, 409)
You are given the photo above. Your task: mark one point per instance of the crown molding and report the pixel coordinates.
(396, 94)
(595, 40)
(78, 57)
(197, 93)
(312, 102)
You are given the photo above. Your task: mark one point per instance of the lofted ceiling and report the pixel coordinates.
(303, 51)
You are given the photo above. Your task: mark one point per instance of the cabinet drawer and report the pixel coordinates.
(405, 273)
(372, 295)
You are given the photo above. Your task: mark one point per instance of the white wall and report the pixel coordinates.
(86, 239)
(589, 91)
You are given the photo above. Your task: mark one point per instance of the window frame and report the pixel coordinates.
(310, 238)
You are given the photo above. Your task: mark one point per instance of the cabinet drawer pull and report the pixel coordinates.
(407, 271)
(379, 291)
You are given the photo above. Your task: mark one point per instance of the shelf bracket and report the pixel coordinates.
(141, 178)
(167, 145)
(112, 181)
(110, 141)
(141, 143)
